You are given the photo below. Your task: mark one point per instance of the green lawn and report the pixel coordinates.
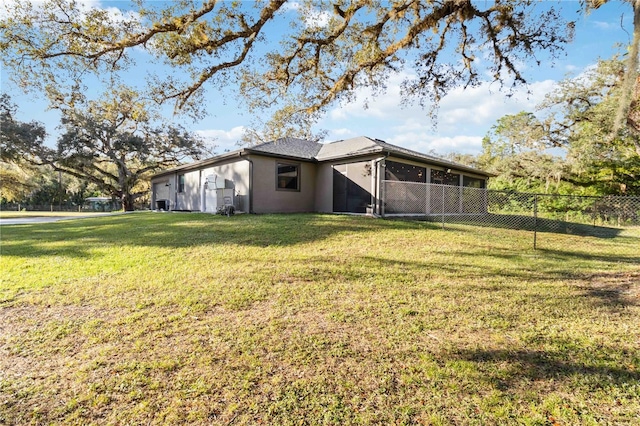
(315, 319)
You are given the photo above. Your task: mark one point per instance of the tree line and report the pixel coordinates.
(571, 144)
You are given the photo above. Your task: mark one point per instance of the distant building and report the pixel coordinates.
(101, 204)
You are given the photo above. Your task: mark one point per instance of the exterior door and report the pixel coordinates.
(351, 187)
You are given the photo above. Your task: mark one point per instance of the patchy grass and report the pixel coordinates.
(315, 319)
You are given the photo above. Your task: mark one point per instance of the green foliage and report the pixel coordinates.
(111, 143)
(16, 182)
(600, 153)
(17, 139)
(321, 57)
(514, 151)
(41, 186)
(580, 122)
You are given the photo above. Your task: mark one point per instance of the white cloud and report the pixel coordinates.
(366, 105)
(569, 68)
(464, 115)
(116, 14)
(6, 7)
(461, 143)
(312, 17)
(605, 26)
(440, 145)
(224, 140)
(317, 19)
(340, 133)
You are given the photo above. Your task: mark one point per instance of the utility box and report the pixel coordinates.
(226, 197)
(215, 194)
(216, 182)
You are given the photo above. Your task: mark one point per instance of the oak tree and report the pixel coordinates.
(16, 137)
(112, 143)
(582, 116)
(515, 150)
(579, 117)
(297, 57)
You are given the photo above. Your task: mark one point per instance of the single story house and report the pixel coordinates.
(359, 175)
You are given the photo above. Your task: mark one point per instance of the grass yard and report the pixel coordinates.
(315, 319)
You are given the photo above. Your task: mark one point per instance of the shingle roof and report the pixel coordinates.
(361, 145)
(313, 151)
(289, 147)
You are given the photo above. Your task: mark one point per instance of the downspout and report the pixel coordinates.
(153, 197)
(201, 185)
(379, 210)
(250, 209)
(174, 189)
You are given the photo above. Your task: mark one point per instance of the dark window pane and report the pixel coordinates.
(288, 176)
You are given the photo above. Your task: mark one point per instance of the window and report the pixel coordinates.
(180, 183)
(287, 177)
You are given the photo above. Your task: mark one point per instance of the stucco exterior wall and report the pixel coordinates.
(234, 171)
(236, 176)
(323, 202)
(268, 199)
(189, 199)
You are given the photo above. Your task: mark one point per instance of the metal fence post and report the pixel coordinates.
(442, 201)
(427, 199)
(383, 195)
(535, 221)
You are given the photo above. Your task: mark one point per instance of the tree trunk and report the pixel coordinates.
(631, 75)
(127, 202)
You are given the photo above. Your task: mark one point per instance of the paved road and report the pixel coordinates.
(45, 219)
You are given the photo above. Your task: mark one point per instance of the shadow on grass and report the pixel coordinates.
(77, 238)
(566, 255)
(613, 289)
(609, 289)
(511, 368)
(528, 223)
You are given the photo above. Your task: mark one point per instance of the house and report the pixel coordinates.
(359, 175)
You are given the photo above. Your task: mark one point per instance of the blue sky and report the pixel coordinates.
(464, 116)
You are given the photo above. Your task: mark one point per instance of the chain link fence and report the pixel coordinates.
(17, 207)
(504, 209)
